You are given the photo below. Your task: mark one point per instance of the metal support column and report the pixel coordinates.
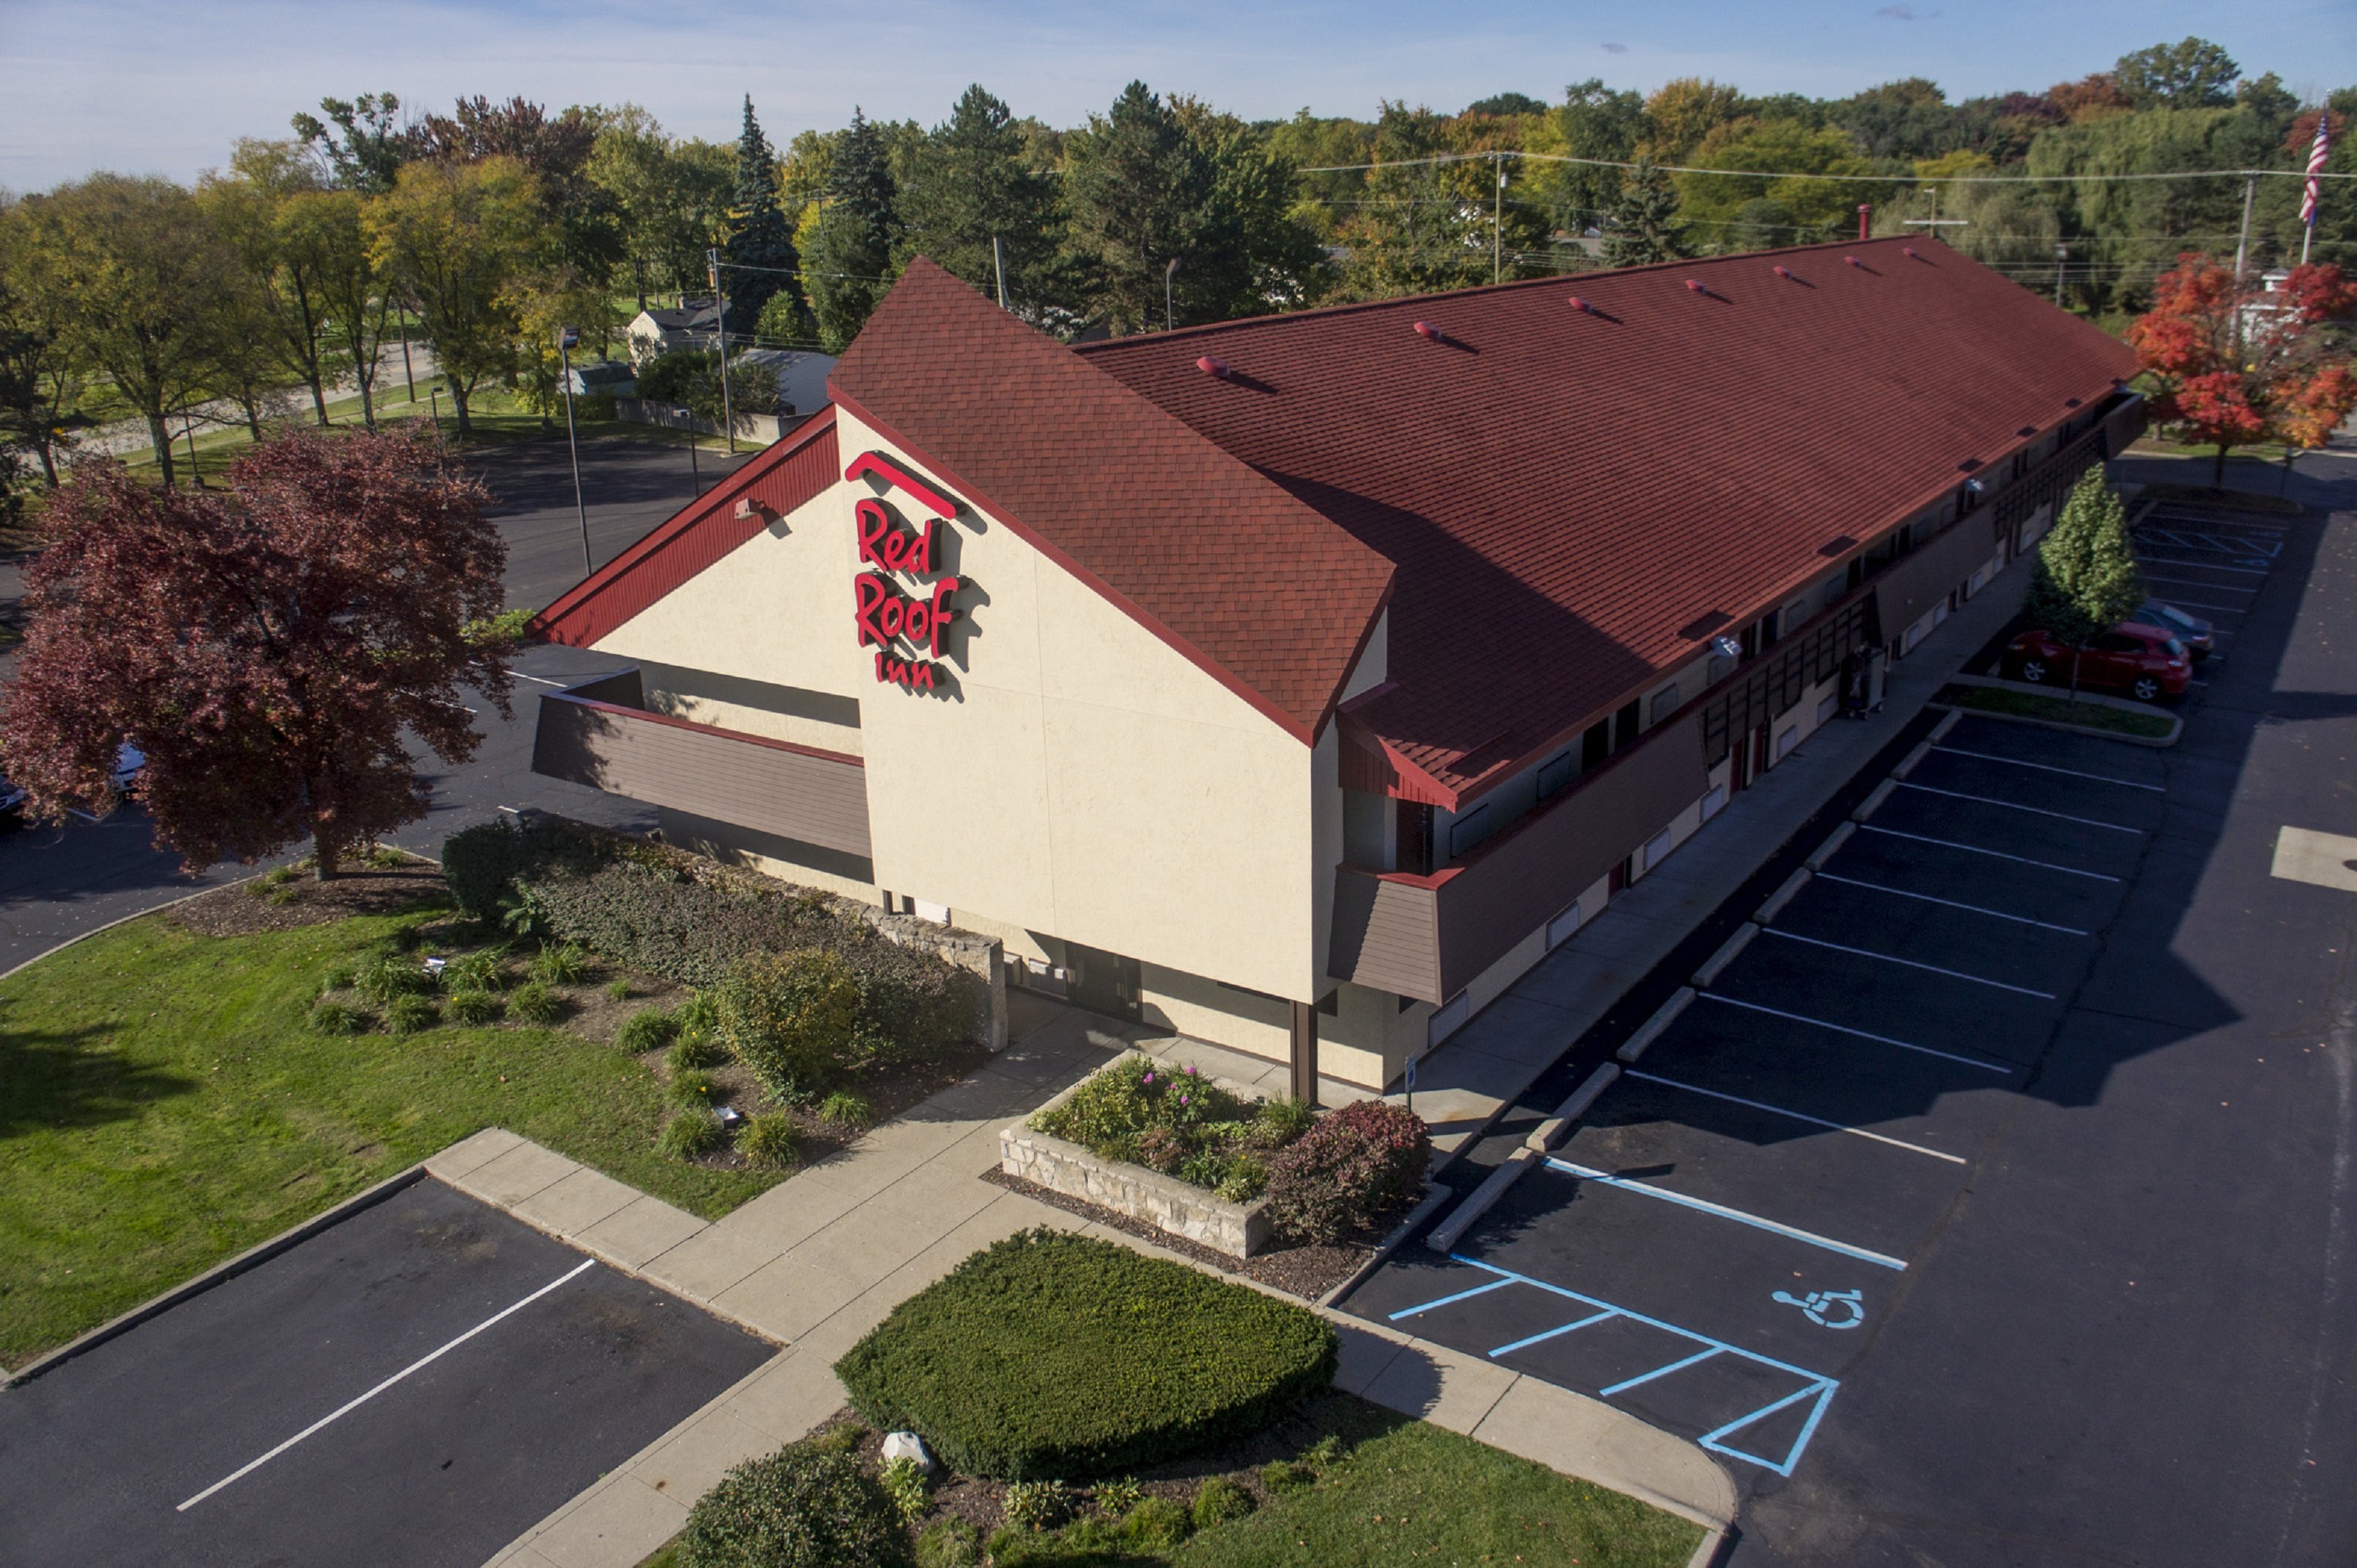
(1304, 1051)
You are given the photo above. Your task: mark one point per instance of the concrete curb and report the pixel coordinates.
(2171, 738)
(1783, 895)
(1651, 1030)
(1434, 1198)
(1707, 1553)
(2034, 689)
(124, 920)
(1907, 763)
(1444, 1236)
(229, 1269)
(1725, 954)
(1873, 803)
(1549, 1132)
(1826, 850)
(1947, 722)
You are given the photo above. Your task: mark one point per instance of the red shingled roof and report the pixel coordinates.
(1249, 582)
(1564, 490)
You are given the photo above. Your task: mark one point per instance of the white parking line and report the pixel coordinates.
(1911, 964)
(1705, 1205)
(1998, 1067)
(422, 1362)
(1951, 903)
(2049, 767)
(2205, 566)
(1994, 853)
(542, 679)
(1793, 1115)
(2018, 806)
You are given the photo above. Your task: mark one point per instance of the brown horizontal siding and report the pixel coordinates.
(792, 792)
(1386, 934)
(1917, 582)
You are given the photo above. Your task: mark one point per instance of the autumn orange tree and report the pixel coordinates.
(2238, 366)
(279, 651)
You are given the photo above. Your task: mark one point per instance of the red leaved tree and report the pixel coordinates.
(2237, 365)
(275, 650)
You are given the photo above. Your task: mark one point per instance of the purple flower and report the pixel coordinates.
(1190, 1072)
(1182, 1100)
(1149, 1078)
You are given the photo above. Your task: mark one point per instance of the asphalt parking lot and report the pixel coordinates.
(418, 1385)
(2210, 562)
(1726, 1229)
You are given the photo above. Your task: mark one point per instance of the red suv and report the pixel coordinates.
(2142, 660)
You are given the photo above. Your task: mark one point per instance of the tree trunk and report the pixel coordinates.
(161, 439)
(2218, 469)
(368, 405)
(459, 401)
(48, 447)
(2076, 654)
(319, 399)
(324, 857)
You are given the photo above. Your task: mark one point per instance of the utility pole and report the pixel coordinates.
(720, 320)
(999, 259)
(2243, 241)
(565, 338)
(1498, 222)
(1170, 317)
(2061, 260)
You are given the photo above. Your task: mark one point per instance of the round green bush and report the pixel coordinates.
(769, 1142)
(847, 1111)
(692, 1132)
(802, 1506)
(649, 1031)
(1052, 1355)
(484, 969)
(533, 1003)
(408, 1014)
(787, 1016)
(690, 1052)
(473, 1007)
(337, 1018)
(384, 974)
(1038, 1505)
(1218, 1500)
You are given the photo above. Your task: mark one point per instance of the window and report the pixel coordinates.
(1557, 772)
(938, 913)
(2118, 642)
(1826, 708)
(1657, 849)
(1468, 830)
(1624, 726)
(1560, 928)
(1715, 801)
(1661, 703)
(1787, 740)
(1448, 1020)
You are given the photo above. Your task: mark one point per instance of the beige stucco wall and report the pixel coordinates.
(1082, 780)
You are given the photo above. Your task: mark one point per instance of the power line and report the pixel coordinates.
(1838, 178)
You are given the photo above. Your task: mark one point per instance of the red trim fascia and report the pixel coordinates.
(1358, 651)
(1306, 734)
(653, 718)
(891, 473)
(550, 622)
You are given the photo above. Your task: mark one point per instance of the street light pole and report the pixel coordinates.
(2061, 261)
(1170, 317)
(720, 320)
(567, 337)
(1498, 222)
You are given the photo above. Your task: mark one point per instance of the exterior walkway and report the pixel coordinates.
(816, 1261)
(1465, 1082)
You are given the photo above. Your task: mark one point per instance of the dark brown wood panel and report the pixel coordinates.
(794, 793)
(1386, 934)
(1769, 687)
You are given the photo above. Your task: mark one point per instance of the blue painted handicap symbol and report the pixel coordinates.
(1829, 1308)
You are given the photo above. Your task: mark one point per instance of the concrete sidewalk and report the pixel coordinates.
(1465, 1081)
(816, 1261)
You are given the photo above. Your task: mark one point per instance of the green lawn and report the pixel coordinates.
(163, 1106)
(2057, 709)
(1419, 1494)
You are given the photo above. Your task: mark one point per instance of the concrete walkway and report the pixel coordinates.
(1465, 1081)
(817, 1261)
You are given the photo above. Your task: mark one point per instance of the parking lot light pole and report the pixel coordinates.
(567, 337)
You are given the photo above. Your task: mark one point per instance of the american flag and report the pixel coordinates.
(2317, 153)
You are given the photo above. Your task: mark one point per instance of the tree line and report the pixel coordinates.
(485, 229)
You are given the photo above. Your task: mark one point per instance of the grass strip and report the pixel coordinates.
(2056, 710)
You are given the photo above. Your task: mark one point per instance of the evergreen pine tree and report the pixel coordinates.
(759, 235)
(969, 180)
(2087, 581)
(1643, 224)
(1141, 195)
(852, 242)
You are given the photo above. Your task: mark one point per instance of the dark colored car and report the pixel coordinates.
(2190, 630)
(11, 797)
(2143, 660)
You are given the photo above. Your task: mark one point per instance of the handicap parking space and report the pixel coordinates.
(418, 1383)
(2210, 562)
(1723, 1228)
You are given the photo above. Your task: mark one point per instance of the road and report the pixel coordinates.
(59, 882)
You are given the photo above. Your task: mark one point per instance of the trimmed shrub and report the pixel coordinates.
(787, 1016)
(1354, 1165)
(484, 969)
(847, 1111)
(1279, 1476)
(473, 1007)
(561, 964)
(949, 1543)
(1049, 1354)
(691, 1131)
(802, 1506)
(337, 1018)
(690, 1052)
(769, 1142)
(1038, 1505)
(1170, 1120)
(408, 1014)
(649, 1031)
(533, 1003)
(385, 973)
(1218, 1500)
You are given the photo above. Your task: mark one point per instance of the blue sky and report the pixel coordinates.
(144, 85)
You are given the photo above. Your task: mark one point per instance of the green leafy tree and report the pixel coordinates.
(1643, 225)
(283, 278)
(971, 180)
(1821, 207)
(1423, 225)
(141, 281)
(760, 236)
(1593, 121)
(1139, 191)
(457, 240)
(330, 227)
(2087, 581)
(361, 141)
(43, 372)
(2192, 73)
(553, 149)
(848, 243)
(671, 196)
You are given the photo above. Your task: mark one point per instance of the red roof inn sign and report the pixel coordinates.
(888, 618)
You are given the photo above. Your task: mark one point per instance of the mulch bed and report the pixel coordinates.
(1304, 1271)
(244, 909)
